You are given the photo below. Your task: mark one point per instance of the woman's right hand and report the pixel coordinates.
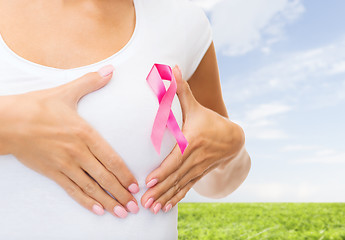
(43, 130)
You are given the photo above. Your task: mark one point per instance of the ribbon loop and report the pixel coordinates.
(164, 117)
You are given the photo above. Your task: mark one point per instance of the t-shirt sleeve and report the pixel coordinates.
(197, 37)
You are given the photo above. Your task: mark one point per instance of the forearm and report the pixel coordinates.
(228, 176)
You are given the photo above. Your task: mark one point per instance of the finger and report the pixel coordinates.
(164, 191)
(109, 182)
(183, 92)
(171, 181)
(195, 173)
(179, 196)
(77, 194)
(170, 164)
(92, 189)
(105, 154)
(73, 91)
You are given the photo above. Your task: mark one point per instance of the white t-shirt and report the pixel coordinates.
(33, 206)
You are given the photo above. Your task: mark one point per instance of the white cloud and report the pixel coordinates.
(315, 72)
(315, 154)
(266, 110)
(259, 121)
(299, 147)
(338, 67)
(241, 26)
(325, 156)
(265, 133)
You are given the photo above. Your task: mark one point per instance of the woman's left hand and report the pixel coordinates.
(212, 141)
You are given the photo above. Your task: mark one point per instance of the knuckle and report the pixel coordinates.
(205, 152)
(90, 188)
(63, 165)
(179, 161)
(71, 150)
(183, 194)
(71, 190)
(105, 178)
(194, 162)
(82, 130)
(113, 162)
(176, 179)
(199, 142)
(199, 170)
(176, 186)
(186, 88)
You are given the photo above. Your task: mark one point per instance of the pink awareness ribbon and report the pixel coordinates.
(164, 117)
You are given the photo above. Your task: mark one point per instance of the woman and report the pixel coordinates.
(77, 115)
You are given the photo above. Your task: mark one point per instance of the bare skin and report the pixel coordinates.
(110, 24)
(39, 25)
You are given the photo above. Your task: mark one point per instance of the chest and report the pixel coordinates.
(63, 38)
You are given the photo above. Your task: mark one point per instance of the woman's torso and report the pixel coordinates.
(35, 207)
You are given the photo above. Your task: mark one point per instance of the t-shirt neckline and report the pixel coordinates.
(116, 55)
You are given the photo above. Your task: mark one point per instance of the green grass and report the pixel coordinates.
(261, 221)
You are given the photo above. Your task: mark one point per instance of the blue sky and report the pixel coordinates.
(282, 69)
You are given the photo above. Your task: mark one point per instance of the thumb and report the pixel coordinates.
(89, 82)
(184, 92)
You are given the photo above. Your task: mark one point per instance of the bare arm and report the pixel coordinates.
(206, 88)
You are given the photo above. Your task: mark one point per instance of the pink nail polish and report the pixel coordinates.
(152, 182)
(168, 207)
(120, 211)
(157, 207)
(97, 209)
(148, 203)
(106, 70)
(132, 206)
(133, 188)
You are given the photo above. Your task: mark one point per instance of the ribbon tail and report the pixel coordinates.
(160, 123)
(156, 142)
(176, 131)
(158, 131)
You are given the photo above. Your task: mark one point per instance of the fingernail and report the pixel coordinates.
(157, 207)
(120, 211)
(148, 203)
(168, 207)
(132, 206)
(106, 70)
(97, 209)
(133, 188)
(151, 183)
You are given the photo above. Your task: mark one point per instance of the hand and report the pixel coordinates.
(45, 133)
(213, 140)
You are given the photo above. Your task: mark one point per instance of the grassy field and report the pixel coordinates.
(261, 221)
